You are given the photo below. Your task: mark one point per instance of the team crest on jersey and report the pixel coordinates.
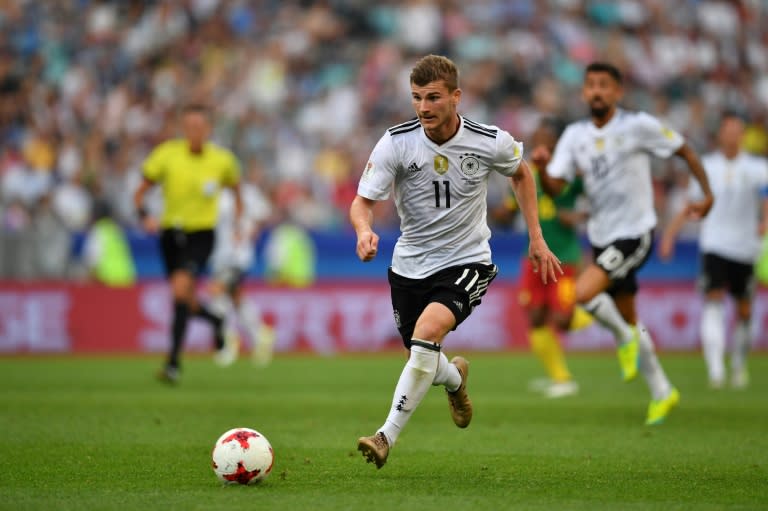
(441, 164)
(470, 163)
(600, 143)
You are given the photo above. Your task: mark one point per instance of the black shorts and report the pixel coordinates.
(721, 273)
(621, 260)
(184, 250)
(459, 288)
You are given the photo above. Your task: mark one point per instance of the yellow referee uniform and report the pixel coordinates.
(191, 182)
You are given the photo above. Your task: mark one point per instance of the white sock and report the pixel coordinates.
(415, 380)
(223, 306)
(657, 380)
(713, 339)
(447, 374)
(742, 339)
(603, 308)
(249, 316)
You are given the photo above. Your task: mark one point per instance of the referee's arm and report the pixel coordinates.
(147, 222)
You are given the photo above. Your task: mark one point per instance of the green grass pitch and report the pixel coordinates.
(101, 433)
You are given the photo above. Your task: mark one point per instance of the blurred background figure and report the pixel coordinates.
(106, 254)
(233, 256)
(191, 171)
(730, 242)
(550, 307)
(290, 256)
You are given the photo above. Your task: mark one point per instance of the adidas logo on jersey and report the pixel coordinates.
(413, 167)
(459, 305)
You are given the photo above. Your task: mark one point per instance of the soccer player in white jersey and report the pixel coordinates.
(611, 151)
(438, 166)
(729, 243)
(233, 255)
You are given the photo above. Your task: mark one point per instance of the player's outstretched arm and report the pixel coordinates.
(667, 244)
(571, 217)
(698, 209)
(551, 186)
(361, 217)
(544, 261)
(147, 222)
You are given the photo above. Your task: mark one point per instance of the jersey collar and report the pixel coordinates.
(448, 142)
(618, 113)
(735, 159)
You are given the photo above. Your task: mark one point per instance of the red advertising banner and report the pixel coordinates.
(326, 318)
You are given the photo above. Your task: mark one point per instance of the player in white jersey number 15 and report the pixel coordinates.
(611, 151)
(438, 166)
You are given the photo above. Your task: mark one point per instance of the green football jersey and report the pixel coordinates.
(563, 240)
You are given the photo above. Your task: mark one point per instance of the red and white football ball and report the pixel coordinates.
(242, 455)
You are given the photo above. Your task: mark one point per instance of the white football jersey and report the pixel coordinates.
(229, 252)
(730, 230)
(440, 192)
(615, 164)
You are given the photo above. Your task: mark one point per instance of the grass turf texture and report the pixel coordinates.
(101, 433)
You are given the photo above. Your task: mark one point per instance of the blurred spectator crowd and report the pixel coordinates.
(303, 89)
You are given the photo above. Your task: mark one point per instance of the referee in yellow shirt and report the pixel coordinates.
(191, 171)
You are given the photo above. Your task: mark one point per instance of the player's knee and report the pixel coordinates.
(182, 287)
(715, 294)
(583, 294)
(430, 330)
(744, 311)
(537, 317)
(562, 322)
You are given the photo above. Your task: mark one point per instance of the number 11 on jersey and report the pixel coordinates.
(447, 186)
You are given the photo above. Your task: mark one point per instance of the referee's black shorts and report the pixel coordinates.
(460, 288)
(186, 250)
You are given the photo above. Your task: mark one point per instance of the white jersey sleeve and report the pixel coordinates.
(380, 171)
(656, 138)
(562, 165)
(509, 154)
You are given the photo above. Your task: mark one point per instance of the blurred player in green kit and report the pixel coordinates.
(551, 307)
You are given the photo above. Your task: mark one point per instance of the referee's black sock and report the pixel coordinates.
(178, 330)
(217, 322)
